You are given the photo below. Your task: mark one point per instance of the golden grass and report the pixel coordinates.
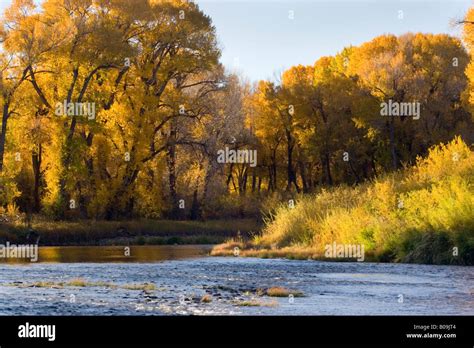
(79, 282)
(416, 215)
(254, 250)
(206, 299)
(282, 292)
(144, 287)
(256, 303)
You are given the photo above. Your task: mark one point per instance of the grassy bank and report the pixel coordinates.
(423, 214)
(137, 232)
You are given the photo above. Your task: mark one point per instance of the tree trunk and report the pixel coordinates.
(212, 168)
(327, 169)
(393, 150)
(3, 133)
(171, 163)
(195, 208)
(254, 180)
(36, 158)
(290, 169)
(303, 176)
(230, 177)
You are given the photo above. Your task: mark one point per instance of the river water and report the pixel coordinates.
(187, 281)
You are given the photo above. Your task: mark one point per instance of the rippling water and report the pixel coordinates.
(231, 284)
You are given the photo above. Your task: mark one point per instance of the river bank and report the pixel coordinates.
(135, 232)
(420, 214)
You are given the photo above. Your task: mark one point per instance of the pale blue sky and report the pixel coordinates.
(260, 38)
(265, 41)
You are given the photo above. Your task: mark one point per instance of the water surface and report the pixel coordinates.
(148, 253)
(188, 276)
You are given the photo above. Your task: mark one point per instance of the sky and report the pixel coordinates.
(262, 38)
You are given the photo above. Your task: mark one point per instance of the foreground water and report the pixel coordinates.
(186, 280)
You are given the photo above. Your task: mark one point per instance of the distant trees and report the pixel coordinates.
(117, 109)
(422, 68)
(336, 127)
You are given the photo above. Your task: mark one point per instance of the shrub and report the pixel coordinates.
(418, 215)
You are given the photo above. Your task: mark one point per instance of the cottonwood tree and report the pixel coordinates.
(413, 68)
(172, 52)
(262, 118)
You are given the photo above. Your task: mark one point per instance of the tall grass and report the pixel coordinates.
(419, 214)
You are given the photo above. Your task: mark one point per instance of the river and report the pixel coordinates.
(184, 280)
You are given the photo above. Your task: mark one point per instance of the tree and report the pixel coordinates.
(413, 68)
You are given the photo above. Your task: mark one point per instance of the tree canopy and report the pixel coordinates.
(114, 108)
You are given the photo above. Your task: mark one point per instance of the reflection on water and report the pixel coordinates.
(116, 253)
